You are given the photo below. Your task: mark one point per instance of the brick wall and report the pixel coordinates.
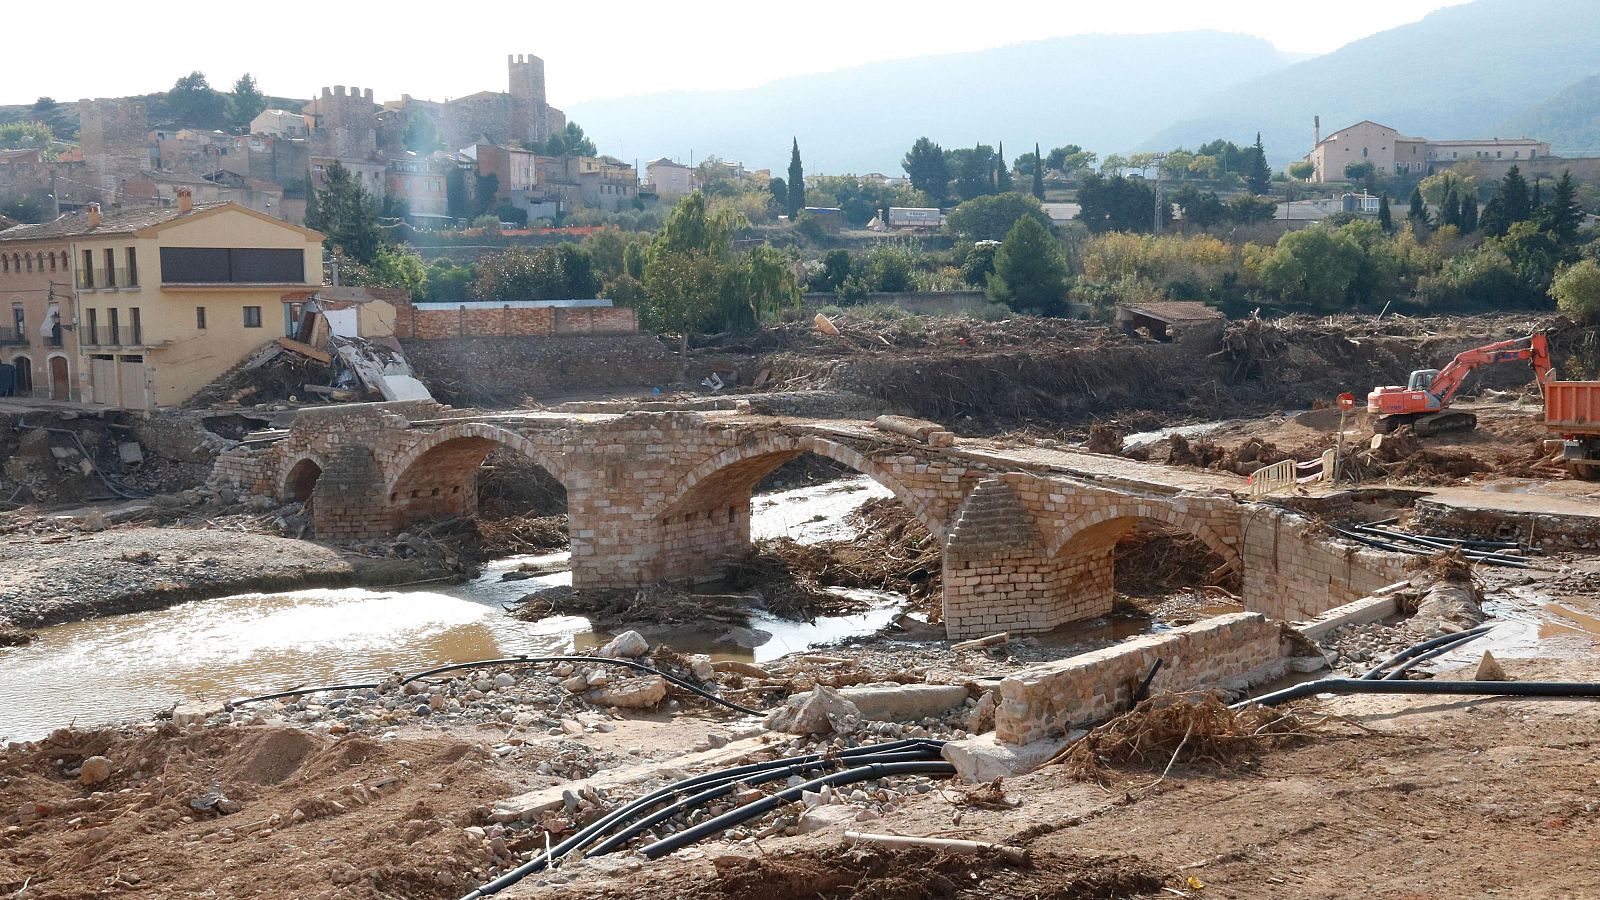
(1294, 571)
(437, 322)
(1230, 651)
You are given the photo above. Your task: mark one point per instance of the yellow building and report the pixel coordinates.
(167, 300)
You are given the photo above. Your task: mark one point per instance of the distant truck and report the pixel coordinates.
(1572, 414)
(915, 217)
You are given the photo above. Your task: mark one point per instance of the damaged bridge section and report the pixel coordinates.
(1028, 540)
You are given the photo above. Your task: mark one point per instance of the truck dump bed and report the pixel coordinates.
(1572, 407)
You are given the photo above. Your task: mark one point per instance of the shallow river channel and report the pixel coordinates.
(130, 667)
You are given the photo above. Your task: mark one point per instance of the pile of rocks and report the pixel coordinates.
(1355, 649)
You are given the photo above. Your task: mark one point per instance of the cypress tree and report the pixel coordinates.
(1259, 176)
(1514, 199)
(1385, 218)
(797, 182)
(1002, 172)
(1419, 210)
(1564, 215)
(1469, 214)
(1038, 174)
(1450, 209)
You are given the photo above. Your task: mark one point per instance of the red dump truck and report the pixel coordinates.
(1572, 412)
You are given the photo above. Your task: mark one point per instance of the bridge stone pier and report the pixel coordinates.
(1028, 537)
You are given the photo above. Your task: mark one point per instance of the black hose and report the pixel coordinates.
(695, 801)
(1423, 647)
(1570, 689)
(510, 660)
(773, 801)
(1400, 670)
(628, 811)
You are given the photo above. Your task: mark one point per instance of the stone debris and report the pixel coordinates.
(1489, 669)
(822, 711)
(629, 644)
(95, 769)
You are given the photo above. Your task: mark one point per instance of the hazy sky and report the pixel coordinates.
(108, 48)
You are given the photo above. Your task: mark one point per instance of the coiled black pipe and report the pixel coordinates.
(695, 801)
(509, 660)
(773, 801)
(1415, 649)
(1568, 689)
(724, 776)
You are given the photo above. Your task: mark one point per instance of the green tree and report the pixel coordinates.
(26, 136)
(1510, 204)
(1114, 165)
(779, 189)
(569, 141)
(1200, 208)
(1258, 175)
(1038, 175)
(991, 218)
(797, 182)
(1117, 204)
(1359, 171)
(562, 272)
(1577, 292)
(1070, 160)
(1002, 171)
(1533, 253)
(694, 227)
(348, 215)
(1313, 268)
(974, 171)
(1385, 216)
(191, 101)
(889, 267)
(835, 269)
(608, 249)
(44, 104)
(392, 267)
(1029, 274)
(1303, 169)
(448, 282)
(925, 166)
(1418, 214)
(681, 293)
(1562, 215)
(1245, 209)
(1450, 209)
(1469, 214)
(245, 103)
(978, 264)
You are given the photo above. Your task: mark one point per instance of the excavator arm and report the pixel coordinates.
(1534, 349)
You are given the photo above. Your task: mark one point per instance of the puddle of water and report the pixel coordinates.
(132, 666)
(1559, 621)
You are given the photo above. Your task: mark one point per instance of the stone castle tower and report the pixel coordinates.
(530, 109)
(114, 136)
(346, 123)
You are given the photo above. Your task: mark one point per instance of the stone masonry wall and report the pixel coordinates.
(437, 322)
(1291, 572)
(1228, 652)
(497, 371)
(1550, 531)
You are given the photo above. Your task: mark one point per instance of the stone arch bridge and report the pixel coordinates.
(1028, 534)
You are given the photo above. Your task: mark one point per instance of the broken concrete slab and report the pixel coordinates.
(986, 757)
(820, 817)
(891, 702)
(637, 693)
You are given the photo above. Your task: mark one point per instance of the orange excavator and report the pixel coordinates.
(1424, 403)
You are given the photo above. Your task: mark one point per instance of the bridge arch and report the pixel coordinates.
(734, 472)
(438, 474)
(298, 477)
(1102, 529)
(705, 521)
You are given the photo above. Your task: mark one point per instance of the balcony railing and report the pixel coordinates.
(107, 279)
(13, 336)
(102, 336)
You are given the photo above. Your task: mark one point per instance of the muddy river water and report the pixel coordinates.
(105, 670)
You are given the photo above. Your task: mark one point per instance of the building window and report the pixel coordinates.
(200, 317)
(1499, 154)
(5, 263)
(111, 267)
(135, 325)
(114, 327)
(196, 265)
(19, 318)
(133, 267)
(52, 261)
(29, 260)
(88, 268)
(93, 337)
(1363, 153)
(252, 317)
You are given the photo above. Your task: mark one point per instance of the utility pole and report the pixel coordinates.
(1160, 158)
